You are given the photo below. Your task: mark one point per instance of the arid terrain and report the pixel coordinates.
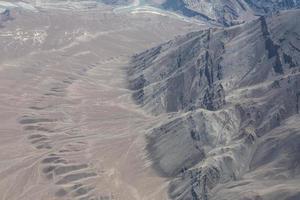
(233, 99)
(69, 129)
(150, 100)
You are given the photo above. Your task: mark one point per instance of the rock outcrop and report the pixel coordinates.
(229, 12)
(232, 99)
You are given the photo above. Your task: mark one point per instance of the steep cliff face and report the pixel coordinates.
(265, 6)
(196, 70)
(228, 12)
(234, 98)
(180, 75)
(222, 12)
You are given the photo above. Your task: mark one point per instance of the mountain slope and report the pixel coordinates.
(228, 12)
(233, 98)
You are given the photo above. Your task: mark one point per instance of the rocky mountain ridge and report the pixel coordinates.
(232, 98)
(229, 12)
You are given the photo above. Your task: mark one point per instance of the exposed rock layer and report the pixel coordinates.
(228, 12)
(234, 95)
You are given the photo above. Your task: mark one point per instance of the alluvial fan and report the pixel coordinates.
(69, 129)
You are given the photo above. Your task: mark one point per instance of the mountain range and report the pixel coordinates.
(228, 12)
(150, 99)
(232, 99)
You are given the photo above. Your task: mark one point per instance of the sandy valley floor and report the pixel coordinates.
(69, 129)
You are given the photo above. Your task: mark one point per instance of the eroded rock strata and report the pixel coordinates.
(227, 12)
(232, 101)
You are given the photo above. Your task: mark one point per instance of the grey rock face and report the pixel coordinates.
(272, 5)
(234, 94)
(228, 12)
(222, 12)
(189, 80)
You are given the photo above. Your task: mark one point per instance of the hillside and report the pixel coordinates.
(229, 12)
(232, 100)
